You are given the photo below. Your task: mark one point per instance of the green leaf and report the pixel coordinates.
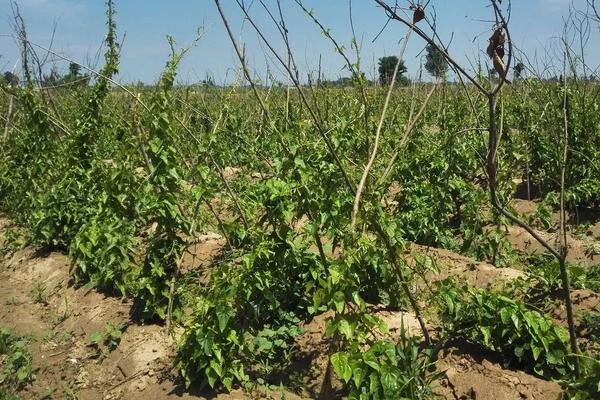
(341, 366)
(371, 360)
(96, 337)
(345, 329)
(23, 374)
(211, 376)
(339, 300)
(536, 351)
(519, 351)
(516, 321)
(374, 384)
(358, 376)
(263, 345)
(360, 303)
(223, 318)
(389, 381)
(218, 368)
(487, 335)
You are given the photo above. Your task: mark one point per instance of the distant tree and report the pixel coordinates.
(386, 70)
(518, 69)
(52, 79)
(208, 82)
(340, 82)
(74, 77)
(11, 78)
(436, 63)
(74, 69)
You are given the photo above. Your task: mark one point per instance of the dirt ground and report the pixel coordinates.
(472, 375)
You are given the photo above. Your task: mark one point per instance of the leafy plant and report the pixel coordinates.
(590, 325)
(156, 276)
(544, 276)
(588, 385)
(13, 240)
(521, 336)
(273, 348)
(102, 252)
(492, 245)
(109, 339)
(39, 292)
(386, 370)
(543, 212)
(16, 368)
(248, 316)
(61, 210)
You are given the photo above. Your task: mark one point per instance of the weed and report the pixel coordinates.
(13, 301)
(57, 338)
(39, 293)
(592, 248)
(590, 325)
(16, 368)
(13, 241)
(108, 340)
(62, 316)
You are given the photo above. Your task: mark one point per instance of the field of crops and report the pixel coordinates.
(435, 240)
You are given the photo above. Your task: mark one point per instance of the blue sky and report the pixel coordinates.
(535, 25)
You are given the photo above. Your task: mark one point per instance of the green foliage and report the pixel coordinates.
(248, 316)
(88, 124)
(58, 213)
(161, 263)
(543, 212)
(104, 247)
(16, 368)
(435, 62)
(61, 210)
(371, 368)
(590, 325)
(273, 348)
(492, 245)
(587, 278)
(108, 340)
(521, 336)
(14, 239)
(153, 285)
(587, 386)
(387, 65)
(581, 184)
(102, 252)
(519, 68)
(544, 277)
(386, 370)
